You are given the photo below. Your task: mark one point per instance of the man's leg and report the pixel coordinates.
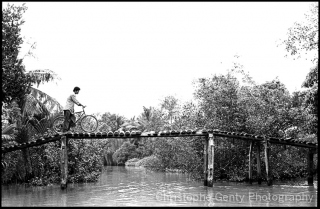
(72, 121)
(66, 123)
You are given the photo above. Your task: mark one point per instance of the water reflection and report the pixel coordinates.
(130, 186)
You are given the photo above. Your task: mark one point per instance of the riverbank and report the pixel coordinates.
(147, 164)
(150, 161)
(153, 163)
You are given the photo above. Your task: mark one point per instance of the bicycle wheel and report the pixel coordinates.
(57, 125)
(89, 123)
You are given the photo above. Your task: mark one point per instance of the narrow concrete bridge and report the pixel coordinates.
(208, 139)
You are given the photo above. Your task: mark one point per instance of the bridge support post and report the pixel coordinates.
(267, 161)
(64, 162)
(258, 163)
(250, 161)
(205, 164)
(310, 166)
(210, 160)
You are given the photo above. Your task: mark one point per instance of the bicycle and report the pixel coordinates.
(88, 123)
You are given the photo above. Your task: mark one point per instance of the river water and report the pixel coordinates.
(131, 186)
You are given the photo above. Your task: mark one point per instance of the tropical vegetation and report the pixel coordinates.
(230, 102)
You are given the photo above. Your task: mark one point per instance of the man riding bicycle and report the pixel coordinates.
(68, 110)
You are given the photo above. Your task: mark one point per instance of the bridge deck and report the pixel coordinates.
(181, 133)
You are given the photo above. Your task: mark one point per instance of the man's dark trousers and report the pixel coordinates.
(68, 120)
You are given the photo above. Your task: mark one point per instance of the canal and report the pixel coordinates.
(132, 186)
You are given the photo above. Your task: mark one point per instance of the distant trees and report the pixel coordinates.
(262, 109)
(125, 152)
(150, 119)
(310, 102)
(170, 107)
(217, 98)
(110, 122)
(304, 36)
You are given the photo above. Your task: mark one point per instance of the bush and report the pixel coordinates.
(85, 161)
(132, 162)
(176, 153)
(231, 159)
(125, 152)
(151, 162)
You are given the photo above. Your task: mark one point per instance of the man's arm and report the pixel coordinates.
(74, 99)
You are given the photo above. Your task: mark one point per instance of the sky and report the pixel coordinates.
(126, 55)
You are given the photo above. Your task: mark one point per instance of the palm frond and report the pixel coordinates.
(50, 102)
(104, 127)
(147, 113)
(31, 106)
(32, 131)
(8, 129)
(36, 127)
(7, 137)
(7, 133)
(43, 125)
(42, 75)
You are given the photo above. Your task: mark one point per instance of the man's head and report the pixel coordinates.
(76, 90)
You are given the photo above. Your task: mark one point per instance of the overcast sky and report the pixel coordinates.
(126, 55)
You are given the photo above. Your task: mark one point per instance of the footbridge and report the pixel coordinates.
(208, 138)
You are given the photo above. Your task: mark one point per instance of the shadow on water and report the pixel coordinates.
(131, 186)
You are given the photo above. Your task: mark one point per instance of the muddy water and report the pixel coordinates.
(129, 186)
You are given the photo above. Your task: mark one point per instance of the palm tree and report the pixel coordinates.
(103, 127)
(7, 133)
(149, 120)
(37, 111)
(131, 125)
(10, 114)
(145, 119)
(142, 123)
(116, 121)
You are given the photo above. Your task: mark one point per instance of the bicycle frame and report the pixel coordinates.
(80, 116)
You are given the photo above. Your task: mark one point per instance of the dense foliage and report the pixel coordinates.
(303, 39)
(27, 113)
(85, 163)
(14, 79)
(125, 152)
